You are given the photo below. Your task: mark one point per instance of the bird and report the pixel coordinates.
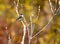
(20, 17)
(17, 29)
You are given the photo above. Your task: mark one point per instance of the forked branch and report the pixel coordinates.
(54, 14)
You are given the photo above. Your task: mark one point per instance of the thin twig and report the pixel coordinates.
(17, 7)
(58, 9)
(47, 24)
(30, 33)
(31, 24)
(38, 11)
(51, 7)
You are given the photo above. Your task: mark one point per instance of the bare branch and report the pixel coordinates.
(24, 30)
(51, 7)
(44, 26)
(58, 10)
(31, 24)
(30, 33)
(17, 7)
(38, 11)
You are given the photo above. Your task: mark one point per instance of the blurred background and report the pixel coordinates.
(36, 11)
